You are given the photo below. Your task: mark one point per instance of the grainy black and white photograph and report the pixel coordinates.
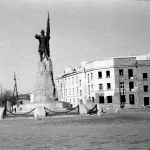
(75, 75)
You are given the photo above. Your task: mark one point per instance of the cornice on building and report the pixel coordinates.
(142, 60)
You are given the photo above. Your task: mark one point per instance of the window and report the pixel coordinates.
(91, 76)
(72, 80)
(80, 92)
(79, 82)
(131, 86)
(122, 85)
(107, 74)
(109, 99)
(69, 81)
(108, 86)
(73, 91)
(146, 101)
(89, 89)
(78, 101)
(88, 78)
(130, 73)
(93, 99)
(73, 100)
(101, 99)
(66, 91)
(77, 90)
(89, 99)
(145, 76)
(131, 99)
(145, 87)
(69, 91)
(76, 79)
(120, 72)
(99, 74)
(101, 86)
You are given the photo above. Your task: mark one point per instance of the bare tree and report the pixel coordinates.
(8, 96)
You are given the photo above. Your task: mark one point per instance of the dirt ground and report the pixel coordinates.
(128, 130)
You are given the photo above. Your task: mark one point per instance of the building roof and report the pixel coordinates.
(84, 64)
(24, 96)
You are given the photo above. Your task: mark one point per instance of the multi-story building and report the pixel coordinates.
(114, 81)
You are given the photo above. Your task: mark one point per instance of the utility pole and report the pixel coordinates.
(15, 89)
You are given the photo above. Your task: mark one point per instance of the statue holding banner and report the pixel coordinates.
(44, 42)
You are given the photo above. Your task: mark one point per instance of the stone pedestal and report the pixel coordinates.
(44, 86)
(45, 91)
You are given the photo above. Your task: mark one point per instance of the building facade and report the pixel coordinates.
(123, 81)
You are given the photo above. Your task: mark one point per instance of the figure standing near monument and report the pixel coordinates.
(44, 42)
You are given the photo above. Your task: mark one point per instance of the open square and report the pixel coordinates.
(127, 130)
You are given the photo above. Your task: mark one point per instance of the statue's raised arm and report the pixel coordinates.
(37, 36)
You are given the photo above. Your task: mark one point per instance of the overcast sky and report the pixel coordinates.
(81, 30)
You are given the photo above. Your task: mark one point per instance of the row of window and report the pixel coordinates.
(107, 74)
(102, 101)
(73, 80)
(130, 73)
(89, 76)
(109, 99)
(108, 86)
(73, 91)
(121, 73)
(131, 86)
(76, 101)
(90, 88)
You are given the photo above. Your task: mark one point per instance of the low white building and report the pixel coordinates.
(113, 81)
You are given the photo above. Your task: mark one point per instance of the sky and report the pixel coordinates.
(81, 30)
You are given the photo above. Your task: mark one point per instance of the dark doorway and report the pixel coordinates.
(146, 101)
(109, 99)
(101, 99)
(123, 99)
(131, 99)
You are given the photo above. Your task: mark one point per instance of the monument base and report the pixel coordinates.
(53, 105)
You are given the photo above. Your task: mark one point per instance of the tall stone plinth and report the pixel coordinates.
(45, 91)
(44, 86)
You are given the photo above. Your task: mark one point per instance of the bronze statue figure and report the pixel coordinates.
(43, 45)
(44, 42)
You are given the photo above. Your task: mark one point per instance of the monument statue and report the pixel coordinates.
(44, 42)
(43, 45)
(45, 93)
(44, 86)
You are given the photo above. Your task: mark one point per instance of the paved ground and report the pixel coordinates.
(128, 130)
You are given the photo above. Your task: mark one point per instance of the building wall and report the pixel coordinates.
(89, 80)
(143, 67)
